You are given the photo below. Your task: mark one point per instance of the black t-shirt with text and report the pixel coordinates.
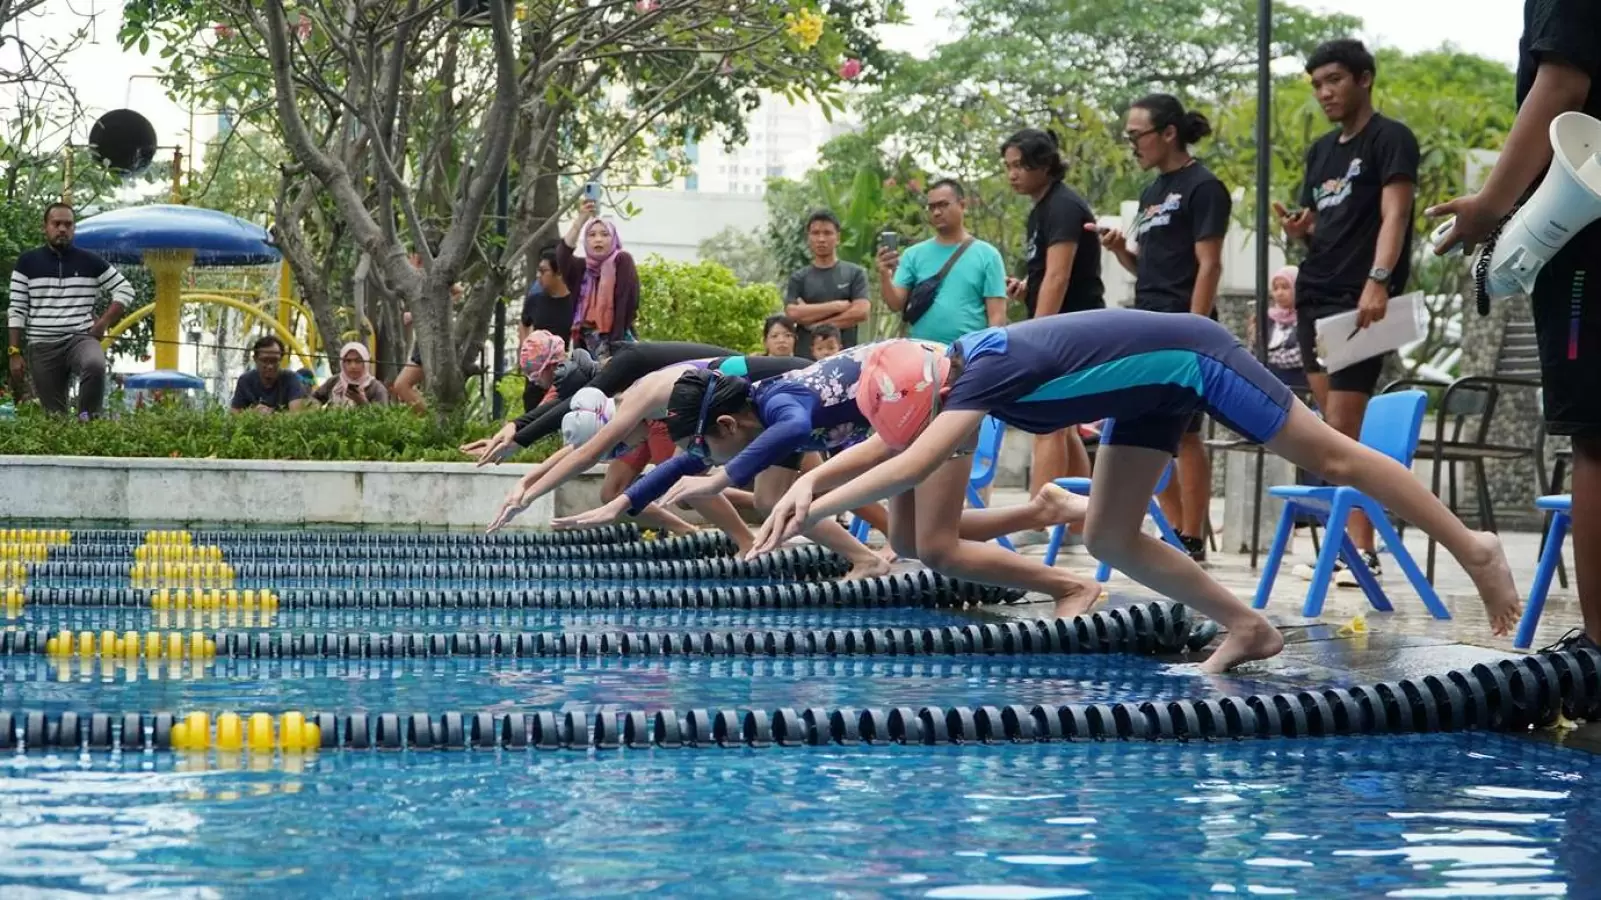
(1344, 186)
(1059, 217)
(1180, 209)
(1567, 32)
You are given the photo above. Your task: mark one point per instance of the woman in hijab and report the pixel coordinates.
(608, 283)
(354, 385)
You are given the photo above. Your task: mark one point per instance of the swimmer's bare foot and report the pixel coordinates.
(1058, 506)
(1257, 639)
(1077, 598)
(870, 566)
(1493, 577)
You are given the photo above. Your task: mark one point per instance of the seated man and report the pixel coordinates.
(268, 388)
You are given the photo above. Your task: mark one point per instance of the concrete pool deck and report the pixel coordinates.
(1401, 644)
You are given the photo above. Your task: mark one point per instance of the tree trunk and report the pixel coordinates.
(431, 319)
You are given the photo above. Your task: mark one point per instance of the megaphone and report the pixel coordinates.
(1567, 201)
(123, 141)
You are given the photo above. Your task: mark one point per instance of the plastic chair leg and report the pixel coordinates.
(1364, 576)
(1103, 573)
(1549, 558)
(860, 529)
(1323, 572)
(1058, 535)
(977, 502)
(1275, 555)
(1154, 510)
(1409, 566)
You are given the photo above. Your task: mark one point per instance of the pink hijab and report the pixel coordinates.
(343, 386)
(596, 294)
(1284, 315)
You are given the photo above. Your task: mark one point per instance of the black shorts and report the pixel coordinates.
(1567, 323)
(416, 356)
(1362, 378)
(1197, 422)
(791, 462)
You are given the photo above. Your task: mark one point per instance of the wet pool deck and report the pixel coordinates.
(1408, 642)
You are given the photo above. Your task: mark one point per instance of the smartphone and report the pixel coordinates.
(592, 191)
(889, 240)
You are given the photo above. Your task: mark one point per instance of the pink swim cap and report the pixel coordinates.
(540, 353)
(899, 388)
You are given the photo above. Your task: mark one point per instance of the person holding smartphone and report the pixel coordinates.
(1183, 218)
(591, 256)
(1064, 271)
(1356, 223)
(1559, 68)
(965, 276)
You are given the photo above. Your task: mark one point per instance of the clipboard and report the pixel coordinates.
(1341, 345)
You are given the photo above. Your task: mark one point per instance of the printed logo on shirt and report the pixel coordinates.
(1157, 214)
(1334, 191)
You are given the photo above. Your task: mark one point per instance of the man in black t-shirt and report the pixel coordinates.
(830, 291)
(268, 388)
(548, 305)
(1559, 67)
(1063, 258)
(1356, 219)
(1177, 265)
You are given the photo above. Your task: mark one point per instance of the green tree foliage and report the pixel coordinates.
(704, 302)
(743, 253)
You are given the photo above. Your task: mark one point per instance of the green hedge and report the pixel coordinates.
(378, 434)
(704, 302)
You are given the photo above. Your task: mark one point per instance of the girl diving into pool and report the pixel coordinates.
(1150, 372)
(771, 431)
(628, 364)
(627, 431)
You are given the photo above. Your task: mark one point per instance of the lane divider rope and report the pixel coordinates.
(1510, 695)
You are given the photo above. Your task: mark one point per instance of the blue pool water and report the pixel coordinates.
(1423, 816)
(473, 684)
(480, 620)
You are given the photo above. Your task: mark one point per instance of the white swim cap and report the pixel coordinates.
(587, 414)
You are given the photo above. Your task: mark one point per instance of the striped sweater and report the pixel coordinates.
(53, 294)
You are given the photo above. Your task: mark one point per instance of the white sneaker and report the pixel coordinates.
(1344, 578)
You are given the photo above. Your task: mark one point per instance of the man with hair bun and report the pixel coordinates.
(1356, 222)
(1177, 264)
(1064, 271)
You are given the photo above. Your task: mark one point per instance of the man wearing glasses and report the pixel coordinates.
(972, 293)
(267, 388)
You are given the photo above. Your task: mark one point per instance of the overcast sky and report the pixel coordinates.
(108, 78)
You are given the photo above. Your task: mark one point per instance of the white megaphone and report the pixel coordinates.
(1567, 201)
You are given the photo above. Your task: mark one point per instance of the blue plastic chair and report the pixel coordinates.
(1391, 427)
(1561, 508)
(1081, 486)
(986, 460)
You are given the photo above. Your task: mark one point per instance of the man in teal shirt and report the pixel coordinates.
(972, 296)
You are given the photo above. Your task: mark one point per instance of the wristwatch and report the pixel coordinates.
(1379, 274)
(13, 350)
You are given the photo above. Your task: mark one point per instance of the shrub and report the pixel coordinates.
(376, 433)
(702, 302)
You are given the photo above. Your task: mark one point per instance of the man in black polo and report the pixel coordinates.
(1356, 220)
(830, 291)
(53, 294)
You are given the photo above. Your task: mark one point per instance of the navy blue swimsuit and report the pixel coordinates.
(1151, 372)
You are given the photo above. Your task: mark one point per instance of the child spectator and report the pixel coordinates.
(826, 341)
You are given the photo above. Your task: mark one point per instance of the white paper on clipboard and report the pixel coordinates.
(1338, 348)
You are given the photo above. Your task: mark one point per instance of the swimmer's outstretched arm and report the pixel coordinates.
(637, 401)
(932, 449)
(787, 517)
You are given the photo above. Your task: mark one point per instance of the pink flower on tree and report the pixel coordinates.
(223, 30)
(646, 6)
(303, 27)
(851, 69)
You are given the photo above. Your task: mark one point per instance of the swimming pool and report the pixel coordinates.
(990, 784)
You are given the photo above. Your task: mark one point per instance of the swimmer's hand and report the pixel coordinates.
(495, 448)
(788, 519)
(601, 515)
(515, 503)
(693, 488)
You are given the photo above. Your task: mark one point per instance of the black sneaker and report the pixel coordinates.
(1575, 639)
(1195, 547)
